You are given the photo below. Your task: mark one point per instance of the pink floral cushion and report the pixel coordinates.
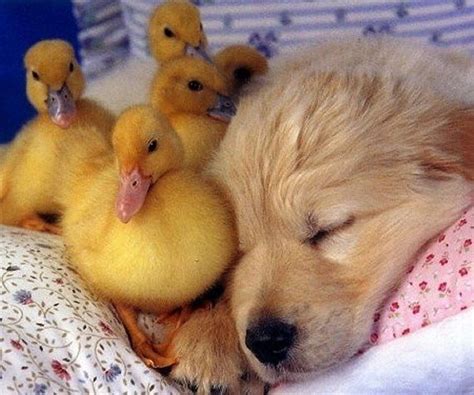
(438, 285)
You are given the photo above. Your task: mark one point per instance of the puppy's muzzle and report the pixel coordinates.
(270, 340)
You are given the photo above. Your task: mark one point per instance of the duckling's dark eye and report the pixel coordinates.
(195, 85)
(35, 75)
(152, 145)
(168, 32)
(71, 67)
(313, 240)
(200, 26)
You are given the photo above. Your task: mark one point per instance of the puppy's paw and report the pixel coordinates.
(209, 357)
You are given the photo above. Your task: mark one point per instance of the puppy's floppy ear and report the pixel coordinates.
(453, 151)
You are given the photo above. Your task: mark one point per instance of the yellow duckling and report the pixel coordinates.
(240, 63)
(191, 93)
(29, 170)
(143, 232)
(175, 30)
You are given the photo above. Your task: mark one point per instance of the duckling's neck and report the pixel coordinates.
(83, 105)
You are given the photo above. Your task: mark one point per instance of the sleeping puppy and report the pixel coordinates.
(341, 164)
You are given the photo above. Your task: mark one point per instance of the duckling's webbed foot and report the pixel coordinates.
(153, 355)
(176, 317)
(35, 222)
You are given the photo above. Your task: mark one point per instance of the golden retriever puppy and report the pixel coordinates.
(341, 164)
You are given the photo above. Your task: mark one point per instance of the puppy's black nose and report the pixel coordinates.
(270, 340)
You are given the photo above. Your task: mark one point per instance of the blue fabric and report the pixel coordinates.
(22, 23)
(103, 35)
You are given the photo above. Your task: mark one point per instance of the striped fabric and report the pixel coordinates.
(273, 26)
(103, 36)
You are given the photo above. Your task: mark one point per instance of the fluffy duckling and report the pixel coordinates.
(29, 171)
(191, 93)
(143, 232)
(175, 30)
(240, 63)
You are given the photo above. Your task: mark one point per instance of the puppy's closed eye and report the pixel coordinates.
(317, 237)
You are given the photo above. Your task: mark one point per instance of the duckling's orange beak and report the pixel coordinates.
(61, 106)
(132, 192)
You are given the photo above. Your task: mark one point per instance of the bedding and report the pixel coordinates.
(438, 359)
(57, 337)
(103, 36)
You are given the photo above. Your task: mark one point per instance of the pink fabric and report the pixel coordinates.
(438, 285)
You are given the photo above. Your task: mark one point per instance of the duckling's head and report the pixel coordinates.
(146, 147)
(192, 86)
(54, 80)
(175, 30)
(240, 63)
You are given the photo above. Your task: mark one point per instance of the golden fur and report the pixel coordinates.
(362, 140)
